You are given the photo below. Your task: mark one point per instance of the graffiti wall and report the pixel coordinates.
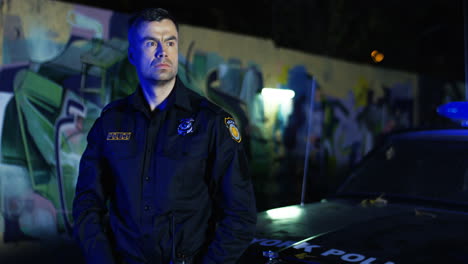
(60, 64)
(354, 105)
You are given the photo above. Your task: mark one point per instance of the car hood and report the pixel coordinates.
(342, 231)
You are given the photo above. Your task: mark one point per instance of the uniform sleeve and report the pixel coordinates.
(234, 197)
(89, 204)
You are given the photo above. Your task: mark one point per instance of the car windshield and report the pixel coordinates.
(432, 169)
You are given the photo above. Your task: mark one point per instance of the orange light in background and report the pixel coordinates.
(377, 56)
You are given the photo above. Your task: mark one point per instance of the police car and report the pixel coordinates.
(406, 202)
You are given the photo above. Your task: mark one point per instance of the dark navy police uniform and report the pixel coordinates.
(163, 184)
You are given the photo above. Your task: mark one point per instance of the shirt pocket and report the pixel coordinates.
(187, 147)
(187, 158)
(121, 149)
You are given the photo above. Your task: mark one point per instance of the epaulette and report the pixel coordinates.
(205, 103)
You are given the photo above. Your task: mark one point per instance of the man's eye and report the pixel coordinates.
(150, 44)
(171, 43)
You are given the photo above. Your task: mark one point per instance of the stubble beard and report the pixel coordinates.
(160, 79)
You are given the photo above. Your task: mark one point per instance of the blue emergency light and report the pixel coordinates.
(456, 111)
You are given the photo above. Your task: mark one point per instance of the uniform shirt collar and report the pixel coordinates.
(178, 97)
(182, 99)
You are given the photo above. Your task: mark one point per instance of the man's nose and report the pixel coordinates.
(160, 52)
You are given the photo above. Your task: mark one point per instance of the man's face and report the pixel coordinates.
(154, 50)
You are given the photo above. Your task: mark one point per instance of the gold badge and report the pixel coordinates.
(233, 130)
(119, 135)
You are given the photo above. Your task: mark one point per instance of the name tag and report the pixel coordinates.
(119, 135)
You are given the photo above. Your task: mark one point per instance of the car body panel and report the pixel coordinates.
(419, 223)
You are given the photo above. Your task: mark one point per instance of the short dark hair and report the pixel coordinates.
(149, 14)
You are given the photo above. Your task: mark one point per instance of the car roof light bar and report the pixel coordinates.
(456, 111)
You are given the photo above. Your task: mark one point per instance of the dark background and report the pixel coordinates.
(424, 37)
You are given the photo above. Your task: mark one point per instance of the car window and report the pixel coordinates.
(436, 169)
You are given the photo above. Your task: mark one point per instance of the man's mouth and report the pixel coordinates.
(162, 65)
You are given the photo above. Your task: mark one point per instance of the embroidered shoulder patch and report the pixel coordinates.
(119, 135)
(233, 130)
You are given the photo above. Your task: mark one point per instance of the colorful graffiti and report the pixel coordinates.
(57, 72)
(342, 131)
(56, 75)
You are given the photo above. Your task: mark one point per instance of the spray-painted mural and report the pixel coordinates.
(59, 67)
(61, 63)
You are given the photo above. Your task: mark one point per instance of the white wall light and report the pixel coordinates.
(277, 94)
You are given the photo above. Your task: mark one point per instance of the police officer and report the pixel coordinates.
(163, 178)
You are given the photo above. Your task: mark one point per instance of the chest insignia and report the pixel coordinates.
(185, 126)
(233, 130)
(119, 135)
